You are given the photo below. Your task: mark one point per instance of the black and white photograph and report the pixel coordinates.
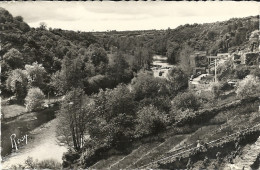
(130, 85)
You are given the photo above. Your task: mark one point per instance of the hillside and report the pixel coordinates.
(172, 148)
(219, 37)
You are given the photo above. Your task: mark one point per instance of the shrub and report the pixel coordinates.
(34, 99)
(248, 86)
(49, 164)
(44, 164)
(150, 120)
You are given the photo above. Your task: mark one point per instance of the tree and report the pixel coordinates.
(113, 120)
(97, 54)
(43, 25)
(74, 113)
(172, 52)
(17, 83)
(19, 18)
(113, 102)
(142, 58)
(95, 83)
(35, 74)
(250, 85)
(145, 85)
(119, 70)
(71, 74)
(149, 120)
(185, 59)
(178, 79)
(13, 58)
(89, 69)
(186, 100)
(34, 99)
(57, 83)
(211, 35)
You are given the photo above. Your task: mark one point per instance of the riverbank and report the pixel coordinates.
(11, 111)
(43, 146)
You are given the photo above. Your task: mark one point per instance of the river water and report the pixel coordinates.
(42, 142)
(160, 64)
(22, 125)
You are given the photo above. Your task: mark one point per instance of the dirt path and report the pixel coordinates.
(43, 146)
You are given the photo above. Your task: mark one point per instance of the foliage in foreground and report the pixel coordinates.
(30, 163)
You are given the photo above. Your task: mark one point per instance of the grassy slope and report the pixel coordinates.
(224, 123)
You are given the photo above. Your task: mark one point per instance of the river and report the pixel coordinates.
(160, 64)
(42, 141)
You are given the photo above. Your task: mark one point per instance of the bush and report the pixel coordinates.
(248, 86)
(44, 164)
(150, 120)
(186, 100)
(34, 99)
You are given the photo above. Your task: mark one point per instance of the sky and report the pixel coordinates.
(120, 16)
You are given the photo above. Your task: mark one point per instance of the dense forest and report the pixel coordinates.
(109, 92)
(109, 58)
